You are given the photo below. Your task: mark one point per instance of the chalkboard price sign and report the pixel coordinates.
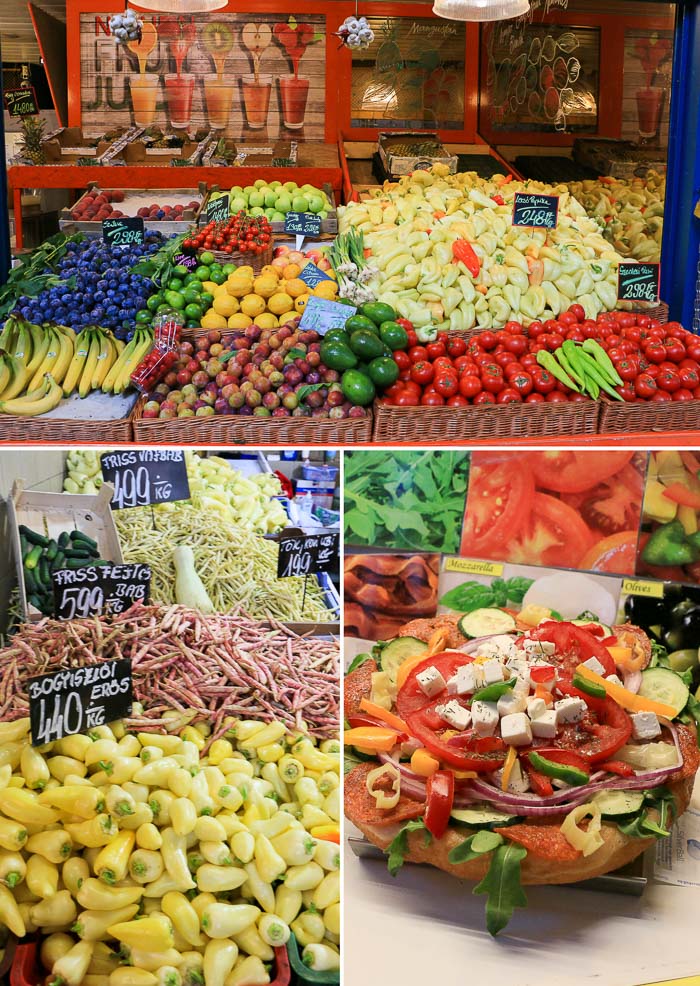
(218, 209)
(535, 211)
(313, 275)
(145, 476)
(21, 102)
(302, 223)
(185, 260)
(638, 282)
(307, 555)
(321, 315)
(123, 231)
(98, 589)
(77, 699)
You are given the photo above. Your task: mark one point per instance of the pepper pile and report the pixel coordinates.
(243, 233)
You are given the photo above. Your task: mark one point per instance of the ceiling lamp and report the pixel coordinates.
(180, 6)
(480, 10)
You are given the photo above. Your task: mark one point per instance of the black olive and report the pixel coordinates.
(645, 611)
(685, 630)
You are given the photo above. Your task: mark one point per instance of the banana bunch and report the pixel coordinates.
(41, 399)
(117, 380)
(33, 361)
(95, 353)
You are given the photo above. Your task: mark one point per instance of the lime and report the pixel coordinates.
(217, 276)
(192, 296)
(228, 269)
(154, 301)
(163, 308)
(192, 324)
(203, 272)
(175, 300)
(206, 300)
(143, 317)
(207, 258)
(175, 284)
(193, 311)
(179, 270)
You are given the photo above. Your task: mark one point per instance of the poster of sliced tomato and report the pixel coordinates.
(568, 509)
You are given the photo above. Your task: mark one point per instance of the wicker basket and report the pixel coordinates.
(256, 432)
(437, 425)
(257, 261)
(659, 312)
(64, 431)
(662, 416)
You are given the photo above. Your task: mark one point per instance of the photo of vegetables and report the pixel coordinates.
(383, 591)
(569, 509)
(405, 500)
(669, 545)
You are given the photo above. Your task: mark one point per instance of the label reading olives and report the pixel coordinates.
(322, 316)
(642, 587)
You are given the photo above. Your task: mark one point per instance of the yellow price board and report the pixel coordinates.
(472, 566)
(643, 587)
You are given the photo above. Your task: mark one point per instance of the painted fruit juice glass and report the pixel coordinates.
(144, 93)
(294, 38)
(218, 40)
(256, 99)
(649, 107)
(294, 93)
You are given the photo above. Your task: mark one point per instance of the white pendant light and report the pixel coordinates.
(180, 6)
(480, 10)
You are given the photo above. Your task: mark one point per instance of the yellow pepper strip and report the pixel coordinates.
(624, 657)
(93, 925)
(408, 665)
(42, 876)
(74, 799)
(97, 896)
(71, 968)
(327, 833)
(423, 763)
(628, 700)
(112, 861)
(508, 765)
(374, 738)
(24, 806)
(94, 833)
(379, 713)
(184, 917)
(219, 959)
(10, 914)
(153, 934)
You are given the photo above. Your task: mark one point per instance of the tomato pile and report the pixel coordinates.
(657, 362)
(241, 233)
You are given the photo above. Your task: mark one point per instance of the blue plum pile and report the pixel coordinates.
(102, 290)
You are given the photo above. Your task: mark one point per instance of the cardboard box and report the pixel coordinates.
(136, 198)
(137, 150)
(397, 162)
(52, 513)
(68, 145)
(618, 158)
(229, 153)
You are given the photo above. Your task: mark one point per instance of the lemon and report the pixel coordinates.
(209, 286)
(253, 305)
(239, 288)
(296, 287)
(239, 321)
(280, 303)
(225, 305)
(245, 269)
(265, 285)
(267, 320)
(288, 316)
(300, 302)
(212, 320)
(326, 289)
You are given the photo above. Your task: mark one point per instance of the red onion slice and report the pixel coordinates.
(632, 680)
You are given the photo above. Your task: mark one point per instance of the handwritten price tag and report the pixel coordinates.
(21, 102)
(307, 555)
(535, 211)
(97, 589)
(123, 231)
(218, 209)
(638, 282)
(145, 476)
(321, 315)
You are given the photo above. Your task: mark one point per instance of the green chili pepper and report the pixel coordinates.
(602, 359)
(567, 367)
(546, 360)
(561, 771)
(594, 372)
(668, 545)
(591, 688)
(572, 355)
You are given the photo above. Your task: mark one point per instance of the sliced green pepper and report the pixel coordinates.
(668, 545)
(560, 771)
(591, 688)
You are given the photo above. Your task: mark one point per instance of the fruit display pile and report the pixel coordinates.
(241, 233)
(449, 257)
(631, 212)
(99, 204)
(274, 200)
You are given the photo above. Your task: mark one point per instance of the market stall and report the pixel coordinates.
(503, 648)
(170, 717)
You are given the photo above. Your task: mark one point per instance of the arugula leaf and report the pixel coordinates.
(358, 662)
(659, 656)
(641, 827)
(350, 761)
(485, 842)
(502, 885)
(399, 846)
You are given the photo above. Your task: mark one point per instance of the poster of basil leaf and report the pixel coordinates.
(246, 76)
(412, 75)
(542, 78)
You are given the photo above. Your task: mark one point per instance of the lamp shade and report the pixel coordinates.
(480, 10)
(180, 6)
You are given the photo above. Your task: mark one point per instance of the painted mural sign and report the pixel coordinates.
(201, 72)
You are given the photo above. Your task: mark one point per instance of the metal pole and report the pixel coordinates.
(5, 255)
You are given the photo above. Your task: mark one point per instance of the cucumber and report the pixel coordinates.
(612, 803)
(664, 686)
(397, 650)
(77, 553)
(483, 622)
(35, 601)
(482, 817)
(78, 536)
(32, 536)
(604, 626)
(30, 585)
(51, 550)
(32, 559)
(64, 539)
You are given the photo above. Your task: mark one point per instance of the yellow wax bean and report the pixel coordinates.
(42, 876)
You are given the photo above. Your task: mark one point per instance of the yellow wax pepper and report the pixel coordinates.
(112, 861)
(74, 799)
(96, 895)
(24, 806)
(56, 846)
(152, 934)
(71, 968)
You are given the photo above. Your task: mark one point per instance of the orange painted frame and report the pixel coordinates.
(612, 63)
(74, 8)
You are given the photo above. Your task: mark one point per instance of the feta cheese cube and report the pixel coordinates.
(516, 729)
(518, 782)
(455, 714)
(570, 709)
(464, 682)
(614, 679)
(511, 702)
(499, 646)
(484, 718)
(536, 707)
(645, 725)
(430, 681)
(593, 664)
(522, 686)
(545, 726)
(493, 672)
(539, 648)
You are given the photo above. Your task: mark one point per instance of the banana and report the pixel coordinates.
(39, 352)
(133, 361)
(61, 365)
(120, 345)
(36, 333)
(86, 376)
(66, 330)
(19, 378)
(118, 365)
(80, 355)
(8, 336)
(48, 398)
(50, 359)
(4, 374)
(105, 359)
(23, 347)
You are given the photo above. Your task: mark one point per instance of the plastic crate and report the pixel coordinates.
(302, 974)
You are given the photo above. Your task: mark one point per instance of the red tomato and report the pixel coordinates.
(407, 399)
(443, 363)
(696, 396)
(430, 399)
(512, 370)
(498, 506)
(627, 368)
(469, 386)
(534, 398)
(654, 352)
(394, 390)
(456, 346)
(653, 369)
(551, 325)
(675, 350)
(457, 401)
(514, 328)
(492, 382)
(625, 319)
(660, 395)
(422, 372)
(446, 383)
(440, 793)
(555, 535)
(567, 318)
(413, 388)
(528, 361)
(516, 344)
(504, 359)
(484, 398)
(556, 397)
(402, 359)
(442, 337)
(669, 380)
(574, 645)
(509, 396)
(435, 349)
(535, 329)
(576, 471)
(626, 392)
(675, 329)
(575, 334)
(486, 359)
(552, 340)
(522, 383)
(487, 340)
(467, 368)
(418, 354)
(644, 386)
(542, 380)
(682, 395)
(578, 311)
(574, 398)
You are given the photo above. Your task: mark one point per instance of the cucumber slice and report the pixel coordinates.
(613, 803)
(664, 686)
(480, 818)
(604, 626)
(396, 652)
(483, 622)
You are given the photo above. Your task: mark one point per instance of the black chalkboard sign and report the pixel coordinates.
(638, 282)
(218, 209)
(313, 275)
(185, 260)
(302, 223)
(145, 476)
(21, 101)
(97, 589)
(535, 211)
(123, 230)
(306, 555)
(77, 699)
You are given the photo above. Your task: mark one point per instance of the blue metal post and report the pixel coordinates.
(681, 241)
(5, 256)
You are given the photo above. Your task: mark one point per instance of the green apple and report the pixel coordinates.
(308, 188)
(256, 200)
(290, 186)
(248, 189)
(277, 217)
(322, 214)
(238, 204)
(315, 203)
(236, 190)
(275, 184)
(300, 203)
(269, 213)
(260, 183)
(256, 211)
(284, 202)
(270, 197)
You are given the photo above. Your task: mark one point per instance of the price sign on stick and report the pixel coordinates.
(21, 101)
(313, 275)
(97, 589)
(145, 476)
(185, 260)
(307, 555)
(322, 315)
(218, 209)
(123, 231)
(77, 699)
(302, 224)
(638, 282)
(535, 211)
